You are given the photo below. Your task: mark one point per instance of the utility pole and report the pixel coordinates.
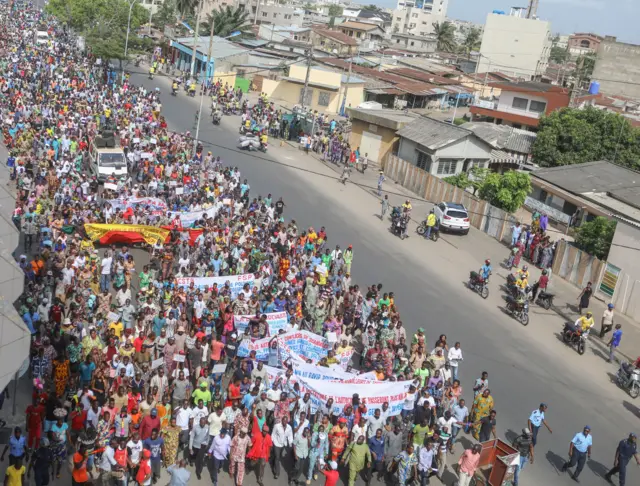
(346, 89)
(306, 78)
(255, 16)
(150, 15)
(203, 90)
(195, 40)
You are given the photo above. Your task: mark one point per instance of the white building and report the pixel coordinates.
(515, 46)
(414, 21)
(435, 7)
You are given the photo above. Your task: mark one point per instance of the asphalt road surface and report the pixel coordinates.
(526, 365)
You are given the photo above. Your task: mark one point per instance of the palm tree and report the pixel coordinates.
(186, 6)
(227, 20)
(444, 33)
(472, 41)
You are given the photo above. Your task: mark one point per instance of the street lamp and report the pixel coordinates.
(126, 42)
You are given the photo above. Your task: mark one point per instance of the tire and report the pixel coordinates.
(581, 348)
(484, 292)
(546, 304)
(422, 229)
(524, 318)
(565, 337)
(435, 236)
(470, 285)
(634, 392)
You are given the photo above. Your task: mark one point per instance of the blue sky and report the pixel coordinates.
(604, 17)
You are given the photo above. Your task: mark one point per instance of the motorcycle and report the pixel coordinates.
(479, 284)
(216, 119)
(174, 91)
(545, 299)
(398, 228)
(628, 377)
(249, 143)
(435, 231)
(519, 309)
(573, 336)
(137, 63)
(150, 75)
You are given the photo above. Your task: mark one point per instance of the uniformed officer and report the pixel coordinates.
(579, 450)
(627, 448)
(536, 420)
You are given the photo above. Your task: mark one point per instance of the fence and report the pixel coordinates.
(570, 263)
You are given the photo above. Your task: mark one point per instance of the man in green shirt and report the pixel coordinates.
(348, 259)
(358, 456)
(423, 373)
(202, 394)
(419, 432)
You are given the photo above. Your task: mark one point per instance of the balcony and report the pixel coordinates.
(493, 109)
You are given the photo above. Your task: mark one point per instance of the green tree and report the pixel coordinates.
(460, 180)
(473, 179)
(570, 136)
(227, 20)
(558, 55)
(584, 67)
(595, 236)
(186, 6)
(167, 14)
(444, 32)
(472, 41)
(335, 10)
(506, 191)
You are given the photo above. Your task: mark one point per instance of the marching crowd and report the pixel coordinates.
(124, 356)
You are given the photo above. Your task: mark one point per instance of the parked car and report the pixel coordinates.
(453, 217)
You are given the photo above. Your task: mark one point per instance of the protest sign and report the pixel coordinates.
(178, 358)
(236, 282)
(275, 321)
(153, 204)
(113, 317)
(187, 218)
(111, 186)
(157, 363)
(219, 368)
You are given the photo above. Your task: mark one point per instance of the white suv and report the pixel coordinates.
(452, 217)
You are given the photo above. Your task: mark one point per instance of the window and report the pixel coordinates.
(275, 15)
(397, 41)
(358, 34)
(399, 19)
(412, 26)
(323, 98)
(287, 16)
(414, 16)
(264, 14)
(424, 161)
(447, 167)
(520, 103)
(537, 106)
(412, 43)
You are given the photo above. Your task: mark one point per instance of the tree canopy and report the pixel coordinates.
(558, 55)
(506, 191)
(570, 136)
(472, 41)
(445, 35)
(595, 236)
(335, 10)
(227, 20)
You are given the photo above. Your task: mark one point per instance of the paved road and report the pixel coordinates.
(525, 365)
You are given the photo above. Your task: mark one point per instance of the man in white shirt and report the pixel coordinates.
(183, 415)
(282, 437)
(455, 357)
(134, 446)
(219, 449)
(161, 381)
(215, 420)
(374, 423)
(108, 461)
(105, 272)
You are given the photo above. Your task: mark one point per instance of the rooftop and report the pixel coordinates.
(503, 137)
(433, 134)
(336, 36)
(358, 26)
(221, 48)
(529, 86)
(392, 119)
(600, 181)
(427, 65)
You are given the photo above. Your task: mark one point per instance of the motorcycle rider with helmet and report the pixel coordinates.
(431, 223)
(541, 284)
(485, 270)
(174, 87)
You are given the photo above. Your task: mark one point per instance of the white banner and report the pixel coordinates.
(275, 321)
(236, 282)
(187, 218)
(155, 205)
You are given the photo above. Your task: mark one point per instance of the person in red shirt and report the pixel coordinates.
(78, 418)
(144, 471)
(137, 342)
(261, 450)
(541, 284)
(331, 474)
(216, 351)
(233, 392)
(35, 417)
(149, 423)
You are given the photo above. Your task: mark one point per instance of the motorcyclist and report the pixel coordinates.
(431, 223)
(192, 88)
(264, 140)
(522, 282)
(152, 71)
(541, 284)
(485, 270)
(406, 207)
(174, 87)
(525, 271)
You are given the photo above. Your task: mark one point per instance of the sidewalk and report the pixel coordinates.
(482, 246)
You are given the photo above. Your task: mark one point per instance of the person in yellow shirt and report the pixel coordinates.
(264, 139)
(525, 271)
(117, 327)
(15, 473)
(586, 322)
(522, 281)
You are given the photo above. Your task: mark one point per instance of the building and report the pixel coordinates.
(414, 43)
(583, 191)
(375, 131)
(271, 12)
(325, 90)
(482, 84)
(333, 42)
(416, 21)
(279, 33)
(436, 7)
(515, 46)
(521, 104)
(442, 149)
(368, 36)
(584, 43)
(617, 68)
(224, 55)
(511, 146)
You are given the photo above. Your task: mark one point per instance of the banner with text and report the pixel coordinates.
(187, 218)
(236, 282)
(275, 321)
(154, 205)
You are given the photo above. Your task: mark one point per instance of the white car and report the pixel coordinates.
(42, 37)
(453, 217)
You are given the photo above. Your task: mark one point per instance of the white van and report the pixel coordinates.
(42, 37)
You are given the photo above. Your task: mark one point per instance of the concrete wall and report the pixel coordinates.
(515, 46)
(289, 93)
(414, 21)
(505, 103)
(624, 256)
(617, 69)
(388, 137)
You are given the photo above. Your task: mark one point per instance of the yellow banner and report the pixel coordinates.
(151, 234)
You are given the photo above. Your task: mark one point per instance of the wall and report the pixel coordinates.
(505, 103)
(355, 96)
(387, 142)
(414, 21)
(224, 78)
(617, 69)
(515, 46)
(624, 255)
(269, 86)
(576, 266)
(320, 76)
(279, 15)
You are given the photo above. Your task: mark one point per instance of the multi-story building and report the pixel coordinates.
(414, 21)
(368, 36)
(584, 43)
(333, 42)
(413, 43)
(515, 46)
(521, 104)
(617, 68)
(271, 12)
(435, 7)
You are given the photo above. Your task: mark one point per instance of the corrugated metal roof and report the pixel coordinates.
(520, 141)
(221, 48)
(503, 136)
(433, 134)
